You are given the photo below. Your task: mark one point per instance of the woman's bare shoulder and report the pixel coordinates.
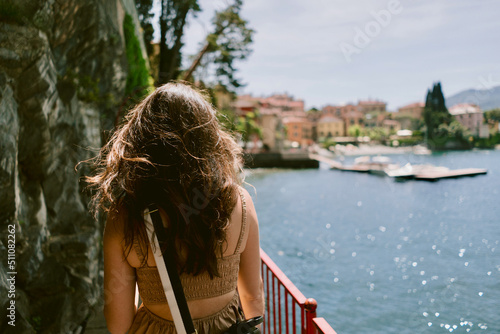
(249, 202)
(115, 222)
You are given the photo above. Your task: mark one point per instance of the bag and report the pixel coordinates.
(246, 326)
(172, 284)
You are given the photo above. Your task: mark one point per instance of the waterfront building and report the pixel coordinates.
(335, 111)
(348, 108)
(472, 117)
(245, 104)
(369, 106)
(413, 110)
(272, 111)
(283, 101)
(299, 129)
(353, 118)
(391, 125)
(272, 128)
(330, 126)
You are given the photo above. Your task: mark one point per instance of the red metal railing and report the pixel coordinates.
(283, 299)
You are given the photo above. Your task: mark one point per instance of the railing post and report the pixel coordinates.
(310, 307)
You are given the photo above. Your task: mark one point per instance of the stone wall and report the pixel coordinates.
(62, 76)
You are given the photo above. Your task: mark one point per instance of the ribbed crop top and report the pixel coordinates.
(195, 287)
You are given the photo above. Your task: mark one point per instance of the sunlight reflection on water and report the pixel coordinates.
(382, 256)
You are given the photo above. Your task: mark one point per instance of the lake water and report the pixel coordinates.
(381, 256)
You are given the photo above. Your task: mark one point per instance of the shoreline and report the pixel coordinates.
(364, 149)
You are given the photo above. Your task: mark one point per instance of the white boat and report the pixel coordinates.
(376, 165)
(410, 170)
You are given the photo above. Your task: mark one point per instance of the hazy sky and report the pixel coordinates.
(335, 51)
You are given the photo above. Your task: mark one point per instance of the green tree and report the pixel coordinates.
(228, 119)
(378, 134)
(492, 116)
(229, 40)
(247, 126)
(139, 83)
(173, 18)
(355, 131)
(144, 11)
(138, 75)
(435, 113)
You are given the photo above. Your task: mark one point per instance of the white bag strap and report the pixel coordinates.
(165, 279)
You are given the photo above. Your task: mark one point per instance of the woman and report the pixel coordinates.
(172, 152)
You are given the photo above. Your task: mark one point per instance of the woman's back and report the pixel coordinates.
(218, 291)
(172, 152)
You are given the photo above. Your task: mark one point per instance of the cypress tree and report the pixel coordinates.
(435, 112)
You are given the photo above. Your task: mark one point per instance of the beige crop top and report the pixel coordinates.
(195, 287)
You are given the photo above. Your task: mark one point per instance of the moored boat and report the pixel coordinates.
(409, 170)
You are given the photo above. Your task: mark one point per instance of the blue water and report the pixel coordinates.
(381, 256)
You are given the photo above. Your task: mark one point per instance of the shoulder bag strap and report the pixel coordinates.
(168, 273)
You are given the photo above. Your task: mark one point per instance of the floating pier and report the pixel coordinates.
(434, 176)
(430, 174)
(320, 158)
(423, 176)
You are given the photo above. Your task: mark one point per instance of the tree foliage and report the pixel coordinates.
(138, 76)
(247, 125)
(435, 112)
(355, 131)
(492, 116)
(228, 41)
(146, 18)
(173, 19)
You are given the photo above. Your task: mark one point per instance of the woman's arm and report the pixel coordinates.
(119, 280)
(250, 285)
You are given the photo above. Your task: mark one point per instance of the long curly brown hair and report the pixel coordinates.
(172, 152)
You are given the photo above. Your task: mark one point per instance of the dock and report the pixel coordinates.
(422, 176)
(434, 176)
(358, 169)
(284, 159)
(428, 175)
(320, 158)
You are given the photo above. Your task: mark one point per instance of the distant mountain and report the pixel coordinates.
(486, 99)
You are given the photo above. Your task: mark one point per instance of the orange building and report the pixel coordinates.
(413, 110)
(299, 129)
(283, 101)
(353, 118)
(335, 111)
(368, 106)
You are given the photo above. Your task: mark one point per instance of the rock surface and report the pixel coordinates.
(62, 77)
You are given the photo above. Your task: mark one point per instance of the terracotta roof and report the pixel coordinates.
(270, 111)
(287, 120)
(370, 102)
(330, 119)
(413, 105)
(294, 113)
(353, 114)
(244, 104)
(464, 108)
(330, 108)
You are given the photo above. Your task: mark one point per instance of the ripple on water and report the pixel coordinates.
(408, 257)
